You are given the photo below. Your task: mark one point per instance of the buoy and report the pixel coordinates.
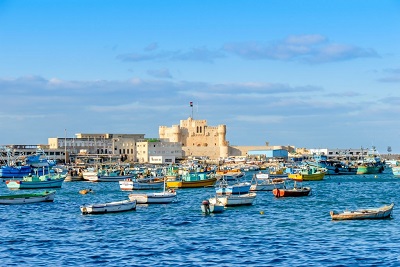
(376, 176)
(262, 212)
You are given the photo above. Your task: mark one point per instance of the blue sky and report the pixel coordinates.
(315, 74)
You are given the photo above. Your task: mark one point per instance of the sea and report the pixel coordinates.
(271, 232)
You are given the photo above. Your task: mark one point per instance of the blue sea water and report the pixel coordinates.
(284, 232)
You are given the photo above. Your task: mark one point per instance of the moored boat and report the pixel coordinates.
(364, 214)
(308, 173)
(292, 192)
(193, 180)
(234, 200)
(110, 207)
(140, 184)
(262, 182)
(207, 207)
(35, 182)
(154, 198)
(396, 171)
(46, 196)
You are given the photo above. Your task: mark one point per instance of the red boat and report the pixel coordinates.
(293, 192)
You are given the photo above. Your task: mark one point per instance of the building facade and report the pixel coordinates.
(118, 145)
(197, 138)
(158, 151)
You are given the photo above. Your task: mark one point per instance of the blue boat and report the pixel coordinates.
(14, 171)
(224, 188)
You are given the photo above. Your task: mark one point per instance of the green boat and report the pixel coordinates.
(46, 196)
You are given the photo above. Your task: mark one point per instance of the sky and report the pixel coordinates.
(310, 74)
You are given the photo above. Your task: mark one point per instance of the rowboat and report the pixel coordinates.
(293, 192)
(116, 206)
(141, 184)
(46, 196)
(155, 198)
(35, 182)
(364, 214)
(234, 200)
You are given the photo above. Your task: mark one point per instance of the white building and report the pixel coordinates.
(158, 151)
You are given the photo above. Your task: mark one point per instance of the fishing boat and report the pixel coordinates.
(116, 206)
(35, 182)
(235, 188)
(296, 191)
(333, 167)
(193, 180)
(7, 171)
(110, 176)
(364, 214)
(140, 184)
(46, 196)
(371, 164)
(234, 200)
(207, 207)
(167, 196)
(308, 173)
(262, 182)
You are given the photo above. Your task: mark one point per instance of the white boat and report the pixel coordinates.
(364, 214)
(207, 207)
(155, 198)
(35, 182)
(262, 182)
(47, 196)
(133, 184)
(116, 206)
(234, 200)
(109, 178)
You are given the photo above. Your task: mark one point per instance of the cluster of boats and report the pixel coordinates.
(230, 190)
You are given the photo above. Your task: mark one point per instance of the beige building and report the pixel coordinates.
(197, 138)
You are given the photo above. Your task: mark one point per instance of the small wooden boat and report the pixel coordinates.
(364, 214)
(234, 200)
(141, 184)
(207, 207)
(293, 192)
(46, 196)
(117, 206)
(154, 198)
(35, 182)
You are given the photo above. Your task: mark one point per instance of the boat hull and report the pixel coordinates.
(153, 198)
(369, 169)
(208, 208)
(234, 200)
(294, 192)
(366, 214)
(132, 185)
(21, 184)
(111, 207)
(109, 178)
(396, 171)
(307, 177)
(27, 198)
(191, 184)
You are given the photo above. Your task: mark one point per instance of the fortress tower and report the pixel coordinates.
(197, 138)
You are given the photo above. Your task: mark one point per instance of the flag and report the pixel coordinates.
(191, 103)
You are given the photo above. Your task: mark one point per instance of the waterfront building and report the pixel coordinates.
(198, 138)
(121, 146)
(158, 151)
(21, 151)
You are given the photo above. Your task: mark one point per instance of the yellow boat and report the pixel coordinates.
(192, 180)
(308, 174)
